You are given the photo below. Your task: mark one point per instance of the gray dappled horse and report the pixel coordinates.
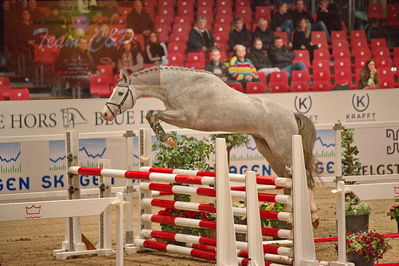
(201, 101)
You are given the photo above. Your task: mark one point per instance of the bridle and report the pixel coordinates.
(119, 105)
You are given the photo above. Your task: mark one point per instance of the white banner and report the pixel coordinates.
(29, 166)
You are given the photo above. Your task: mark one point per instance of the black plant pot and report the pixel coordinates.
(359, 261)
(357, 223)
(397, 224)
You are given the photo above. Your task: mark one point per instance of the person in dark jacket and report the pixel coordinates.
(300, 13)
(218, 68)
(260, 58)
(239, 34)
(200, 38)
(282, 57)
(302, 38)
(282, 19)
(328, 13)
(264, 33)
(156, 51)
(139, 20)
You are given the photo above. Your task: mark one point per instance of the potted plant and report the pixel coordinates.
(190, 153)
(232, 141)
(363, 248)
(393, 212)
(357, 211)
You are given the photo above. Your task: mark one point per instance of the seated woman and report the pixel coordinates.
(241, 68)
(302, 38)
(260, 58)
(156, 50)
(129, 60)
(369, 77)
(217, 67)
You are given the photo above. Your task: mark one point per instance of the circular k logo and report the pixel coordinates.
(303, 104)
(360, 102)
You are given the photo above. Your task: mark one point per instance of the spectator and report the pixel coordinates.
(129, 60)
(139, 20)
(302, 38)
(103, 48)
(282, 19)
(241, 68)
(36, 15)
(328, 14)
(260, 58)
(239, 34)
(156, 51)
(282, 57)
(25, 40)
(300, 13)
(263, 32)
(369, 77)
(56, 22)
(218, 68)
(200, 38)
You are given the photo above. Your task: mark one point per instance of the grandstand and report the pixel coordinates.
(338, 62)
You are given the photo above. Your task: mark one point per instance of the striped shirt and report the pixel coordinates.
(240, 69)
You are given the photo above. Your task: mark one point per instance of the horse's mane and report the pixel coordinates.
(159, 68)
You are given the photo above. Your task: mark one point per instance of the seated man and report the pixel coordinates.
(328, 13)
(200, 38)
(139, 20)
(282, 19)
(260, 58)
(241, 68)
(300, 13)
(282, 57)
(239, 34)
(218, 68)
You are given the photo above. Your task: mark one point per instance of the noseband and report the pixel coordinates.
(129, 92)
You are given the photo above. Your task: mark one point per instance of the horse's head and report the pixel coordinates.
(122, 98)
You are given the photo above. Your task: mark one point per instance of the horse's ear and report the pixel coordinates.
(122, 76)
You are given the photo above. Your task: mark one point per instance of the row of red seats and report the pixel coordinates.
(375, 12)
(7, 93)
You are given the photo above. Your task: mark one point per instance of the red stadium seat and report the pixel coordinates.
(244, 13)
(396, 56)
(221, 38)
(321, 80)
(386, 78)
(19, 95)
(236, 85)
(185, 10)
(278, 82)
(375, 11)
(361, 52)
(166, 3)
(358, 35)
(320, 64)
(124, 11)
(44, 55)
(319, 37)
(263, 78)
(340, 44)
(343, 76)
(176, 59)
(263, 12)
(99, 86)
(341, 53)
(223, 19)
(178, 37)
(255, 87)
(338, 35)
(177, 47)
(393, 15)
(302, 56)
(5, 87)
(343, 63)
(300, 81)
(195, 60)
(163, 19)
(224, 10)
(166, 11)
(185, 3)
(378, 43)
(106, 71)
(163, 29)
(321, 54)
(181, 28)
(184, 20)
(223, 3)
(205, 11)
(242, 3)
(223, 29)
(383, 62)
(381, 52)
(205, 3)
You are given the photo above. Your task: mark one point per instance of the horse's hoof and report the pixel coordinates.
(171, 142)
(316, 223)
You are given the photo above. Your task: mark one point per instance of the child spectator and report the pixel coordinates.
(218, 68)
(282, 57)
(241, 68)
(302, 38)
(156, 51)
(260, 58)
(328, 14)
(129, 60)
(369, 77)
(263, 32)
(139, 20)
(200, 38)
(282, 19)
(239, 34)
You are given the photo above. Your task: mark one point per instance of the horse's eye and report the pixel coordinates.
(120, 93)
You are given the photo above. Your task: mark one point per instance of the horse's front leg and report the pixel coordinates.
(169, 116)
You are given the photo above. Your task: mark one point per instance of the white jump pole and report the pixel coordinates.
(73, 237)
(105, 228)
(129, 135)
(254, 234)
(119, 230)
(304, 249)
(225, 233)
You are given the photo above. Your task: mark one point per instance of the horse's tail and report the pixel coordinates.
(308, 133)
